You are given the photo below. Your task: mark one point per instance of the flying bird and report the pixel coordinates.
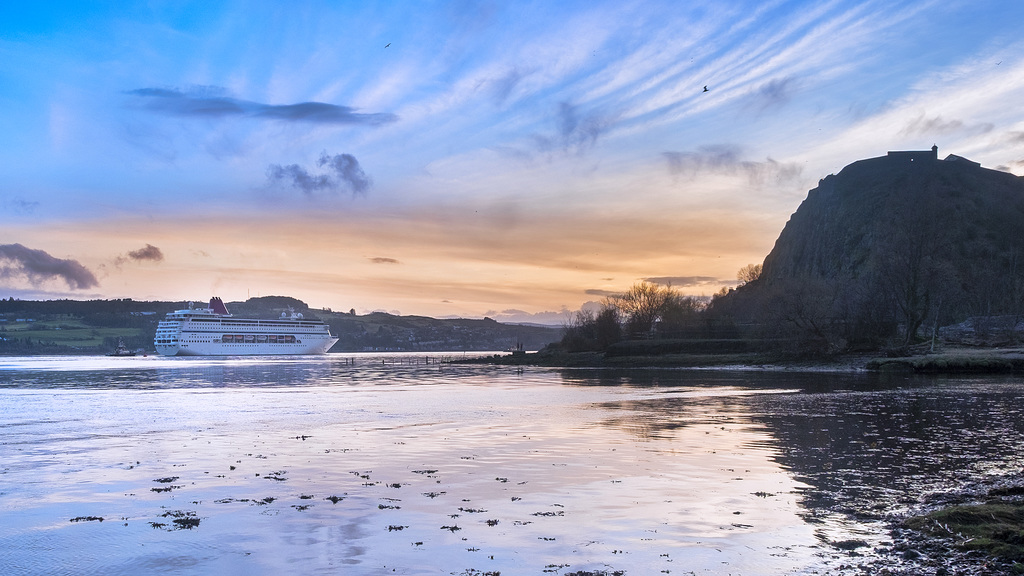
(388, 44)
(705, 88)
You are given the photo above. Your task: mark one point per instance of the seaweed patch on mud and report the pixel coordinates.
(977, 529)
(180, 520)
(995, 528)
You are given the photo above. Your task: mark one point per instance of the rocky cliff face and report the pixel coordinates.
(970, 216)
(893, 244)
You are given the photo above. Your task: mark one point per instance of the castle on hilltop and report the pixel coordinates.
(915, 155)
(926, 156)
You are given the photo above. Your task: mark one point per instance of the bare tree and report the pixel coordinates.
(642, 306)
(748, 273)
(587, 331)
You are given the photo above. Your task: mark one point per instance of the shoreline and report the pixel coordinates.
(946, 360)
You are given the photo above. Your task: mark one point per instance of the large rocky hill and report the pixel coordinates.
(852, 219)
(890, 247)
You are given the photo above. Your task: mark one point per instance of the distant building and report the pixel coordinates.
(928, 156)
(915, 155)
(962, 160)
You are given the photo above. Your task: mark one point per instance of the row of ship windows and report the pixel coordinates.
(259, 338)
(240, 339)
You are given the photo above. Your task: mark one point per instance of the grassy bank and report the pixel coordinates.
(561, 359)
(962, 360)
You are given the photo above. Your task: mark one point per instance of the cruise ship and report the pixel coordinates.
(213, 331)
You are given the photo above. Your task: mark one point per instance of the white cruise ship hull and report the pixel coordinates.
(196, 347)
(214, 332)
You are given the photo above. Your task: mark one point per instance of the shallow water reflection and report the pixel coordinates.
(399, 466)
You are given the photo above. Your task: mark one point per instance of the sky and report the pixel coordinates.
(516, 160)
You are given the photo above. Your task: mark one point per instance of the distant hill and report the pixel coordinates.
(888, 249)
(96, 326)
(267, 306)
(380, 331)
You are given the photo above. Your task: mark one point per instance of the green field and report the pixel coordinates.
(67, 331)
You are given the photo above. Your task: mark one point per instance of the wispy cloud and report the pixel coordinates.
(725, 159)
(212, 102)
(343, 172)
(576, 130)
(37, 266)
(923, 126)
(682, 282)
(380, 260)
(955, 108)
(687, 281)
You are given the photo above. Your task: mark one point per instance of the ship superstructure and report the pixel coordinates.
(213, 331)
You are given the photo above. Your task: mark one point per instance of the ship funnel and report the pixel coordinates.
(218, 307)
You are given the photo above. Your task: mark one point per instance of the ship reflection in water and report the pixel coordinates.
(326, 464)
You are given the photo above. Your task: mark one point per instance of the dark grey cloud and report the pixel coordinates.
(38, 266)
(343, 172)
(147, 253)
(300, 178)
(347, 169)
(578, 129)
(686, 281)
(575, 130)
(502, 87)
(18, 204)
(923, 125)
(212, 102)
(380, 260)
(775, 93)
(515, 316)
(725, 159)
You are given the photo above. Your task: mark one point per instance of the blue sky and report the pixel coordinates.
(466, 158)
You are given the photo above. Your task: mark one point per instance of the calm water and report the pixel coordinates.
(393, 466)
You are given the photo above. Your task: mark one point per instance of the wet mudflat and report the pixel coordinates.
(318, 465)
